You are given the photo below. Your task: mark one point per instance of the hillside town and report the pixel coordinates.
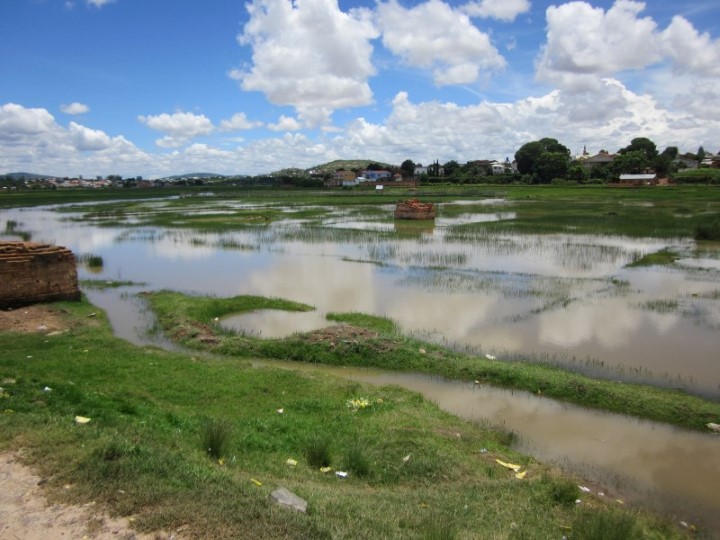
(537, 162)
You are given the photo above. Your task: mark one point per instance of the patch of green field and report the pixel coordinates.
(659, 258)
(179, 441)
(188, 320)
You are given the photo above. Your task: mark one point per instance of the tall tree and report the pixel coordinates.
(641, 144)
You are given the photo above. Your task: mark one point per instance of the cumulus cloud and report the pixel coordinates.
(308, 54)
(286, 123)
(178, 127)
(691, 51)
(88, 139)
(586, 42)
(17, 121)
(434, 35)
(238, 122)
(503, 10)
(74, 108)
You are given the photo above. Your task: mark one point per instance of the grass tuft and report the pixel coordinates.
(215, 437)
(357, 461)
(592, 524)
(708, 231)
(317, 451)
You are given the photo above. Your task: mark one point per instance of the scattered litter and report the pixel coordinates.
(585, 489)
(280, 411)
(221, 461)
(510, 466)
(423, 351)
(713, 427)
(684, 524)
(358, 404)
(29, 356)
(81, 420)
(619, 501)
(601, 494)
(325, 470)
(42, 327)
(490, 357)
(216, 319)
(55, 333)
(483, 450)
(9, 381)
(477, 382)
(520, 475)
(291, 462)
(406, 458)
(577, 501)
(256, 482)
(47, 389)
(93, 314)
(341, 474)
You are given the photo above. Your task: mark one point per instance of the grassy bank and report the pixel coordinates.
(198, 445)
(372, 341)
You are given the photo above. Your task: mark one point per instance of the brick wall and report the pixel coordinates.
(31, 273)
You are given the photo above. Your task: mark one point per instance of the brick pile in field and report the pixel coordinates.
(31, 273)
(414, 209)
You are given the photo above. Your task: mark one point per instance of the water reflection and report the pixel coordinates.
(566, 297)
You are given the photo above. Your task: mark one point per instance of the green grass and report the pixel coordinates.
(658, 258)
(140, 454)
(184, 319)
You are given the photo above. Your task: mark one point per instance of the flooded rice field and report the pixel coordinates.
(563, 299)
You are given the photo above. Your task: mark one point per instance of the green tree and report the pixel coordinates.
(451, 168)
(641, 144)
(700, 154)
(407, 168)
(550, 165)
(527, 155)
(633, 161)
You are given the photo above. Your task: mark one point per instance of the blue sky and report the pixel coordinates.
(161, 87)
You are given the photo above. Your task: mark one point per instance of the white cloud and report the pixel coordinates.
(74, 108)
(690, 51)
(285, 123)
(434, 35)
(17, 121)
(584, 40)
(179, 127)
(503, 10)
(88, 139)
(238, 122)
(98, 3)
(308, 54)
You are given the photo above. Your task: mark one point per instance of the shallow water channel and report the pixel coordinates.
(567, 299)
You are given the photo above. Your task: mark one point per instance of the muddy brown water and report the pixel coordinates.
(567, 297)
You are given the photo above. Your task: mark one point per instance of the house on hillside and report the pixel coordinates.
(339, 177)
(376, 175)
(603, 158)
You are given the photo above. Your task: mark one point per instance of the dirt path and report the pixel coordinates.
(26, 515)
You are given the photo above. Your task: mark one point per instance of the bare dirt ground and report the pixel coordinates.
(25, 513)
(30, 319)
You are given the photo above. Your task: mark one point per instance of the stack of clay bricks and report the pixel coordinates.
(414, 209)
(32, 273)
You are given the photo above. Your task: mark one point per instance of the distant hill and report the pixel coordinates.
(27, 175)
(348, 164)
(186, 176)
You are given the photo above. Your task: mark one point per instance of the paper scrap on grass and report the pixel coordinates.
(291, 462)
(510, 466)
(256, 482)
(520, 475)
(325, 469)
(81, 420)
(341, 474)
